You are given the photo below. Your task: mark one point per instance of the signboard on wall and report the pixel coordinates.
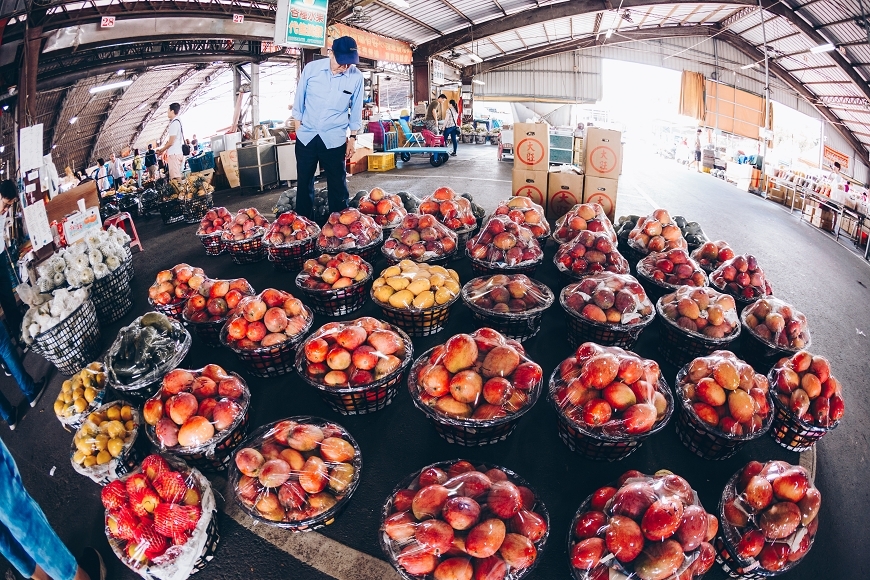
(831, 155)
(437, 72)
(372, 46)
(301, 23)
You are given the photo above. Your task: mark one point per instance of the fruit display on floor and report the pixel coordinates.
(296, 473)
(742, 277)
(102, 443)
(523, 211)
(711, 255)
(692, 232)
(777, 323)
(643, 528)
(503, 243)
(701, 311)
(290, 228)
(214, 299)
(331, 272)
(456, 520)
(583, 217)
(348, 230)
(588, 253)
(214, 221)
(419, 237)
(175, 285)
(385, 208)
(656, 232)
(504, 294)
(270, 318)
(672, 268)
(409, 285)
(247, 224)
(449, 208)
(769, 516)
(804, 385)
(144, 350)
(81, 394)
(608, 298)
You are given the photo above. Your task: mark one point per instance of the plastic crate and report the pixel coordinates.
(201, 162)
(382, 161)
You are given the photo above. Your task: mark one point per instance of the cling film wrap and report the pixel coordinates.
(502, 243)
(582, 217)
(769, 516)
(215, 299)
(455, 519)
(671, 269)
(273, 318)
(523, 211)
(412, 286)
(612, 393)
(333, 272)
(348, 230)
(420, 237)
(196, 410)
(742, 277)
(297, 474)
(588, 253)
(642, 527)
(175, 285)
(145, 350)
(290, 229)
(777, 324)
(213, 222)
(711, 255)
(805, 387)
(726, 395)
(385, 208)
(104, 440)
(81, 395)
(607, 298)
(451, 209)
(656, 232)
(247, 224)
(177, 535)
(354, 354)
(477, 379)
(701, 312)
(692, 231)
(508, 294)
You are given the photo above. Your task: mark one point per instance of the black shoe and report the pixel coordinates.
(40, 386)
(92, 562)
(12, 421)
(453, 154)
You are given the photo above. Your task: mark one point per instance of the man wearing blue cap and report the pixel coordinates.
(328, 106)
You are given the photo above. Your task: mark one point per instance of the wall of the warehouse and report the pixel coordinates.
(569, 76)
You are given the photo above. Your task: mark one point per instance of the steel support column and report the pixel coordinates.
(255, 94)
(26, 108)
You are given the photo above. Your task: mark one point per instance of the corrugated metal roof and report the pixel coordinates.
(546, 79)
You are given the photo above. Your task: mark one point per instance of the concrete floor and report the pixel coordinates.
(827, 282)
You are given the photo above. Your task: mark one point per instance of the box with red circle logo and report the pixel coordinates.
(603, 152)
(531, 146)
(602, 191)
(565, 190)
(531, 184)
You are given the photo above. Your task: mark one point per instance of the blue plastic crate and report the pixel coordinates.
(201, 162)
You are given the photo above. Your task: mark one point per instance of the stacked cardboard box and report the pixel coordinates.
(564, 191)
(531, 160)
(603, 164)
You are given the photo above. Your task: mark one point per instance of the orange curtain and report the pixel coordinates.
(692, 95)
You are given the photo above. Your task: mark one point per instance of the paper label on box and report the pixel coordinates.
(530, 151)
(603, 159)
(603, 200)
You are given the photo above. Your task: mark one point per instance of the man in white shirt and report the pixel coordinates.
(117, 167)
(174, 141)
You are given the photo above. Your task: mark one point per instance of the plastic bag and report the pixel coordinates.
(672, 268)
(355, 353)
(656, 233)
(166, 541)
(523, 211)
(103, 441)
(777, 323)
(348, 229)
(145, 350)
(412, 286)
(769, 515)
(701, 311)
(81, 395)
(691, 231)
(643, 528)
(424, 523)
(290, 229)
(247, 224)
(331, 272)
(420, 237)
(449, 208)
(611, 391)
(741, 276)
(582, 217)
(508, 294)
(270, 318)
(710, 255)
(214, 221)
(196, 410)
(725, 394)
(215, 299)
(503, 243)
(590, 252)
(385, 208)
(805, 386)
(608, 298)
(479, 376)
(175, 284)
(297, 472)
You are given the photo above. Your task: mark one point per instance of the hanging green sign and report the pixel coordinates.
(301, 22)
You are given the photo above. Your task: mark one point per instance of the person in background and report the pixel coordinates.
(451, 125)
(328, 106)
(433, 112)
(117, 170)
(696, 161)
(101, 176)
(151, 162)
(174, 142)
(194, 144)
(137, 167)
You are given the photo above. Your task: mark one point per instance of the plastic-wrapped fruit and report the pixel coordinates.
(106, 434)
(270, 318)
(711, 255)
(214, 300)
(82, 392)
(213, 221)
(583, 217)
(415, 286)
(726, 394)
(741, 276)
(673, 268)
(611, 391)
(449, 208)
(502, 293)
(331, 272)
(805, 386)
(175, 284)
(769, 515)
(420, 237)
(608, 298)
(653, 528)
(290, 228)
(777, 323)
(590, 252)
(691, 231)
(248, 223)
(527, 213)
(502, 242)
(656, 233)
(478, 376)
(385, 208)
(701, 311)
(348, 229)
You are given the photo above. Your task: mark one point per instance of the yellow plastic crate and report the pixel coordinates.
(382, 161)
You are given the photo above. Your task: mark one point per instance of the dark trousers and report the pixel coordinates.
(332, 162)
(453, 133)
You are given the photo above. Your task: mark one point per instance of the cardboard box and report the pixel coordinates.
(531, 146)
(359, 161)
(230, 164)
(602, 191)
(564, 191)
(603, 153)
(531, 184)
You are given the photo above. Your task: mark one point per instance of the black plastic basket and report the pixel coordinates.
(339, 301)
(209, 332)
(361, 400)
(462, 237)
(761, 354)
(655, 289)
(172, 310)
(484, 269)
(223, 453)
(210, 548)
(247, 251)
(679, 347)
(418, 322)
(517, 325)
(290, 257)
(171, 211)
(599, 446)
(437, 261)
(367, 253)
(213, 244)
(196, 207)
(739, 301)
(112, 295)
(632, 255)
(791, 432)
(72, 343)
(581, 329)
(270, 361)
(731, 566)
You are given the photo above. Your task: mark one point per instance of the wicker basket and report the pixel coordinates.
(213, 244)
(481, 268)
(679, 347)
(417, 322)
(789, 431)
(73, 342)
(517, 325)
(339, 301)
(247, 251)
(112, 295)
(171, 211)
(290, 257)
(761, 354)
(581, 329)
(196, 207)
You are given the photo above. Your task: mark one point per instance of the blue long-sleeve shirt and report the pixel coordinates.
(328, 104)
